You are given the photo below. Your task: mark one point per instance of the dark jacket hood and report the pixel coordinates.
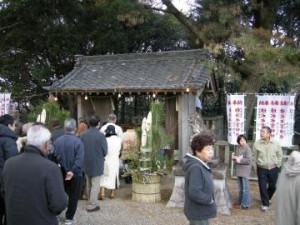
(6, 132)
(189, 160)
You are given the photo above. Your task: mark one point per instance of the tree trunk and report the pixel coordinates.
(184, 20)
(252, 84)
(265, 13)
(264, 17)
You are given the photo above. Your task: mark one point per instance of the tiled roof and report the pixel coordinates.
(137, 72)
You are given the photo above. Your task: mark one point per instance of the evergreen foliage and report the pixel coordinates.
(254, 43)
(139, 167)
(39, 39)
(53, 110)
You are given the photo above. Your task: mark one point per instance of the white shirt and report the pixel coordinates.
(118, 129)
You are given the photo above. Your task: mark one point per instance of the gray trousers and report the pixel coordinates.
(199, 222)
(92, 189)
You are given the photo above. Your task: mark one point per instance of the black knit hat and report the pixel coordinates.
(110, 130)
(55, 122)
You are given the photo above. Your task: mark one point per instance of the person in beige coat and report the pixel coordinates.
(267, 153)
(287, 208)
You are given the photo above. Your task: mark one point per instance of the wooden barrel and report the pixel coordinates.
(147, 192)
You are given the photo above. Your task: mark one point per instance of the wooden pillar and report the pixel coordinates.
(185, 106)
(79, 107)
(171, 120)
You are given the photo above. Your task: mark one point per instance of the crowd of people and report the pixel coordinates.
(48, 171)
(266, 155)
(49, 174)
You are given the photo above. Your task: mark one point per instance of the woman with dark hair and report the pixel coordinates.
(243, 161)
(8, 149)
(199, 204)
(110, 177)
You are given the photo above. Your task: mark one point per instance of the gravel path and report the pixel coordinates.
(123, 211)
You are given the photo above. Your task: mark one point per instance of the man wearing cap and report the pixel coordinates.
(268, 156)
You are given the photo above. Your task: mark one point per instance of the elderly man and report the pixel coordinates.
(112, 119)
(69, 153)
(33, 185)
(268, 156)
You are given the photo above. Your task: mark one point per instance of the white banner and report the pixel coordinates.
(235, 117)
(277, 112)
(4, 103)
(7, 103)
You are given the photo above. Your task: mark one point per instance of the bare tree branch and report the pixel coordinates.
(184, 20)
(10, 26)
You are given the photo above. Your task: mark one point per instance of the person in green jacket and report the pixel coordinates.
(268, 157)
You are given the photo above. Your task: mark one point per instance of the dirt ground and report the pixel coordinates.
(123, 211)
(251, 216)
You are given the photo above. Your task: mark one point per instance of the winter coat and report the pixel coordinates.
(34, 191)
(199, 201)
(8, 149)
(267, 155)
(69, 153)
(288, 192)
(110, 178)
(8, 145)
(95, 149)
(243, 168)
(56, 133)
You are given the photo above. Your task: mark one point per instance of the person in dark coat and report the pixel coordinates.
(8, 149)
(199, 204)
(57, 130)
(33, 185)
(95, 149)
(69, 153)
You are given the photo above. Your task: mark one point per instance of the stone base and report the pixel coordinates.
(177, 197)
(221, 193)
(222, 197)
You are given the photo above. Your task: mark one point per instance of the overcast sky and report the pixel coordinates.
(183, 5)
